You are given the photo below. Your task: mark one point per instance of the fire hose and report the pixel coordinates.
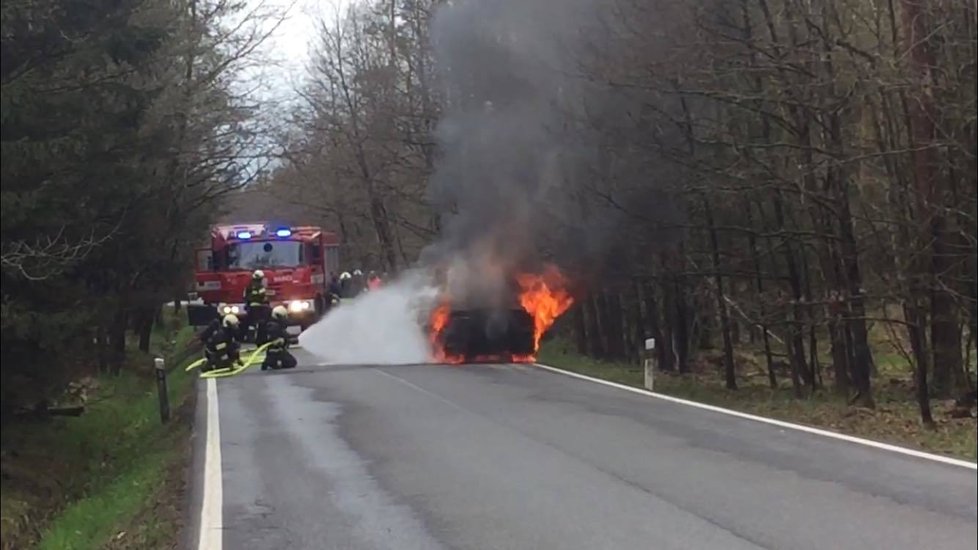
(228, 371)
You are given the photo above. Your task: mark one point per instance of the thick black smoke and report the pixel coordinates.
(517, 142)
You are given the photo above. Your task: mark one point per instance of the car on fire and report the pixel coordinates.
(484, 334)
(468, 330)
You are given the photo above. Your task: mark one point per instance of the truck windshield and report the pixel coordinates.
(258, 254)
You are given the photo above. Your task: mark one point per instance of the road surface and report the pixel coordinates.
(515, 457)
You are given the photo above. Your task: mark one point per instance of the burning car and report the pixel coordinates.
(466, 331)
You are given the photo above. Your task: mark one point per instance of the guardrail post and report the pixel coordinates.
(160, 369)
(650, 363)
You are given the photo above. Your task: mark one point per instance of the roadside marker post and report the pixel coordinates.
(649, 363)
(159, 367)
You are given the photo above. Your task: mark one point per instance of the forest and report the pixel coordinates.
(784, 176)
(122, 128)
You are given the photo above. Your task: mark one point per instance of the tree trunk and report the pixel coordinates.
(580, 330)
(945, 338)
(796, 346)
(636, 326)
(729, 367)
(915, 332)
(680, 343)
(594, 330)
(144, 328)
(945, 330)
(840, 357)
(663, 345)
(117, 340)
(862, 365)
(811, 374)
(615, 333)
(759, 287)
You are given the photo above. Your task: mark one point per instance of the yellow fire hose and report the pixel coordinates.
(226, 372)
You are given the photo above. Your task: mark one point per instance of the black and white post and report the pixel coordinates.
(650, 363)
(160, 369)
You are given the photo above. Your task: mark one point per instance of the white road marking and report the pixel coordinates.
(779, 423)
(211, 515)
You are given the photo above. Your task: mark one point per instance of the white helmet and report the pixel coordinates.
(279, 312)
(357, 272)
(345, 275)
(230, 320)
(258, 274)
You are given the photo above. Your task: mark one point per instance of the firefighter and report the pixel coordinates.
(256, 306)
(277, 354)
(333, 293)
(357, 282)
(221, 349)
(345, 284)
(212, 327)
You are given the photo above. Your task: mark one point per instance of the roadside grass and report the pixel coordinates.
(895, 420)
(107, 478)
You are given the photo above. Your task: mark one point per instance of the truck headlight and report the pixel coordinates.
(298, 306)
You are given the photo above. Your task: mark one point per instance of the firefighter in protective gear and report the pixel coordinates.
(357, 282)
(277, 354)
(255, 293)
(256, 306)
(346, 281)
(334, 291)
(221, 349)
(215, 325)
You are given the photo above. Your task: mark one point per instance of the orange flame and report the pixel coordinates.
(439, 318)
(544, 296)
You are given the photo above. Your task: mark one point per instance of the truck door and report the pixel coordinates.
(205, 259)
(331, 258)
(204, 264)
(201, 314)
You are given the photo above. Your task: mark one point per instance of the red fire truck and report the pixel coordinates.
(296, 260)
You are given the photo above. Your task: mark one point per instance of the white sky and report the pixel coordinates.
(288, 47)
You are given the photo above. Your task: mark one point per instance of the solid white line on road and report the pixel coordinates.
(211, 515)
(779, 423)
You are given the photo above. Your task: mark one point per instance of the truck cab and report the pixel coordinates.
(297, 262)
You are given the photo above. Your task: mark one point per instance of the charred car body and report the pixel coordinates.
(479, 321)
(472, 335)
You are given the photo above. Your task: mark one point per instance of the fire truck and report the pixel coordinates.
(296, 260)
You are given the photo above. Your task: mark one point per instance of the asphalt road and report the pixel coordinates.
(514, 457)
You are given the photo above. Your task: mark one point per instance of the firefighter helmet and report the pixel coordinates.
(230, 321)
(345, 275)
(357, 273)
(258, 275)
(279, 312)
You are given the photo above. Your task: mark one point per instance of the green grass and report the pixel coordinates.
(93, 520)
(895, 419)
(93, 481)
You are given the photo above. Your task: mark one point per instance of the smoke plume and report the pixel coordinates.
(515, 142)
(522, 136)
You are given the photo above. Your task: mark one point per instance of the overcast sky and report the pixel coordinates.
(288, 47)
